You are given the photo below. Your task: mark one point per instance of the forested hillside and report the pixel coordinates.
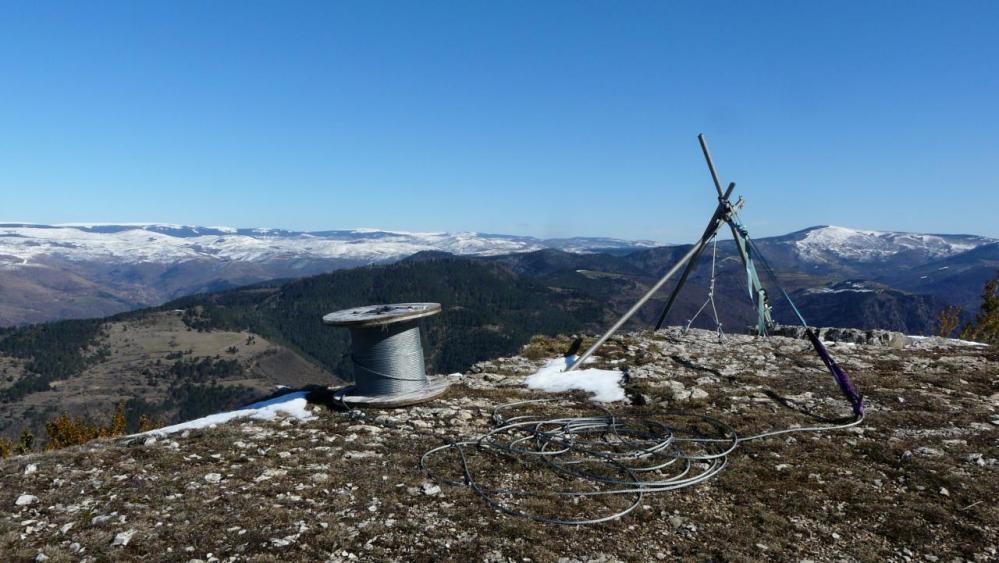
(216, 351)
(213, 351)
(487, 309)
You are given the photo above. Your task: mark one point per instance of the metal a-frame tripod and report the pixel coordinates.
(741, 236)
(725, 213)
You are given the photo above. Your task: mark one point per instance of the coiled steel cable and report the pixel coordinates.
(632, 447)
(388, 359)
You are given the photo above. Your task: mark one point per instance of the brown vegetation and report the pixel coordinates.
(146, 423)
(985, 327)
(64, 431)
(947, 323)
(23, 446)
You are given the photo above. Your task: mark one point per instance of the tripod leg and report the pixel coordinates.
(676, 290)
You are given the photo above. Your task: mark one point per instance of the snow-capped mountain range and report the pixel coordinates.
(25, 244)
(50, 272)
(831, 243)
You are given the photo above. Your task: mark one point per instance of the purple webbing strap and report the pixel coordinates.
(843, 380)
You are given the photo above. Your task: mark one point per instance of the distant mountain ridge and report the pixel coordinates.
(821, 244)
(211, 351)
(22, 244)
(51, 272)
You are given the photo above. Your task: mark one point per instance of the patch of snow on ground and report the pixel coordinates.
(603, 383)
(957, 341)
(291, 404)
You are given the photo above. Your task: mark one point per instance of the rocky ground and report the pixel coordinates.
(917, 481)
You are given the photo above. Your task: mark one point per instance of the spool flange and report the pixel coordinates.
(378, 315)
(374, 316)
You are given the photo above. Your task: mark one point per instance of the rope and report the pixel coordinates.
(606, 456)
(388, 359)
(842, 379)
(770, 271)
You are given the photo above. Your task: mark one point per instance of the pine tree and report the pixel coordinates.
(985, 327)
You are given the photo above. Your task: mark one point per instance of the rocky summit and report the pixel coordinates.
(916, 481)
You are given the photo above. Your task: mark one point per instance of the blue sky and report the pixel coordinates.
(541, 118)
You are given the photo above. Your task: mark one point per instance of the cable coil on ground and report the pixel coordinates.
(607, 455)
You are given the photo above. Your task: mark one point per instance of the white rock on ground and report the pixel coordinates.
(123, 538)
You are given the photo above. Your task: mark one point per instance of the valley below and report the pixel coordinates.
(220, 349)
(162, 369)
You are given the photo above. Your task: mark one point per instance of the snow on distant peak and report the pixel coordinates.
(372, 230)
(138, 225)
(23, 245)
(822, 244)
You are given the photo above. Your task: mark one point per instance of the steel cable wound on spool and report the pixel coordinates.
(388, 360)
(387, 354)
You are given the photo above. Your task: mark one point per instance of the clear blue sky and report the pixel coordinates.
(543, 118)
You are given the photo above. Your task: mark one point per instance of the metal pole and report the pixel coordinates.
(740, 245)
(714, 176)
(713, 226)
(711, 165)
(690, 268)
(676, 290)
